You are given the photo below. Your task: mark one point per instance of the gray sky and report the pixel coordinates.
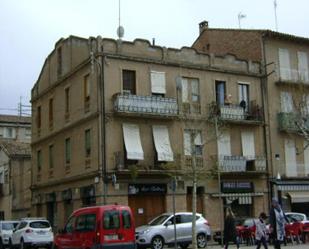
(30, 28)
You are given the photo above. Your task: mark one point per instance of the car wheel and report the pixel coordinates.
(184, 246)
(10, 244)
(201, 240)
(157, 242)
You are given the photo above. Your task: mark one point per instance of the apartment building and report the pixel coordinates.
(17, 128)
(15, 165)
(285, 89)
(113, 123)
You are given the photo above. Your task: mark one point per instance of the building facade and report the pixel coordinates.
(15, 179)
(115, 121)
(285, 89)
(15, 166)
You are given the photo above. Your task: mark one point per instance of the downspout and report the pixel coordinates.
(267, 139)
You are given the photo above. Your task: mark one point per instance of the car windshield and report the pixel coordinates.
(159, 220)
(7, 226)
(39, 224)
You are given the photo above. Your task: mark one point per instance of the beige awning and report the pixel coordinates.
(132, 142)
(299, 197)
(162, 143)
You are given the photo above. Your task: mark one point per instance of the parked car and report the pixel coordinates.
(6, 230)
(32, 232)
(160, 231)
(298, 224)
(98, 227)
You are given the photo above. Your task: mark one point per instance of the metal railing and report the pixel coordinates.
(237, 113)
(291, 121)
(242, 163)
(293, 75)
(152, 105)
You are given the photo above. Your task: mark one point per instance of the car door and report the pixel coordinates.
(168, 231)
(18, 232)
(64, 239)
(85, 232)
(185, 227)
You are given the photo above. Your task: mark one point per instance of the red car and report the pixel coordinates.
(110, 226)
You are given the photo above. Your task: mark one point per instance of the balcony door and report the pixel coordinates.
(220, 92)
(129, 81)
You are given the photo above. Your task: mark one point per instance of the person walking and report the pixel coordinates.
(261, 231)
(277, 220)
(230, 233)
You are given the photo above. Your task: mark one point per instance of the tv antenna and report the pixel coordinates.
(240, 16)
(120, 29)
(276, 21)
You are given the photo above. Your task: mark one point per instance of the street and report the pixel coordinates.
(288, 246)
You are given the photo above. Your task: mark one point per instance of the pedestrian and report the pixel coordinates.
(230, 233)
(261, 231)
(277, 220)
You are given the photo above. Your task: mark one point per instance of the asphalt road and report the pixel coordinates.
(288, 246)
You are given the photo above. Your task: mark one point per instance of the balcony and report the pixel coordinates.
(288, 121)
(145, 105)
(237, 114)
(244, 164)
(292, 76)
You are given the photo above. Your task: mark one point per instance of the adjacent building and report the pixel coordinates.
(115, 121)
(286, 95)
(15, 166)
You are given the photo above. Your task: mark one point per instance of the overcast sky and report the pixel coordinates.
(30, 28)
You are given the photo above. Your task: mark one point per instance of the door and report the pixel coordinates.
(85, 230)
(146, 207)
(169, 230)
(65, 240)
(220, 92)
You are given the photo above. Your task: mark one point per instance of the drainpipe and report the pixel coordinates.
(267, 139)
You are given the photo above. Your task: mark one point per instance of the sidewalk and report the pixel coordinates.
(288, 246)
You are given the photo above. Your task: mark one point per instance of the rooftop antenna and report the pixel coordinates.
(240, 16)
(120, 29)
(276, 21)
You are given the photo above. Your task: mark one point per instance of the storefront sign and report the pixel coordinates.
(138, 189)
(236, 187)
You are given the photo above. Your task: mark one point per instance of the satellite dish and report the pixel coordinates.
(120, 32)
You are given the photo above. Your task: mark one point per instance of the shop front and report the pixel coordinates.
(146, 201)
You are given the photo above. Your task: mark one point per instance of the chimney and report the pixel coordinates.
(203, 25)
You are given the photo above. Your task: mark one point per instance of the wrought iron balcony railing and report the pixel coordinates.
(150, 105)
(242, 163)
(293, 122)
(293, 75)
(236, 113)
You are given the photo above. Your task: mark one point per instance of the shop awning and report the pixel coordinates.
(243, 198)
(299, 197)
(132, 142)
(162, 143)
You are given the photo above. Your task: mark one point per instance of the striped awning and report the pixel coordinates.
(243, 198)
(300, 187)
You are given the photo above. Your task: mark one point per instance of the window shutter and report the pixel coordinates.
(284, 64)
(303, 66)
(290, 158)
(158, 82)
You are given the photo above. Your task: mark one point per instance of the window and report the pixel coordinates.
(39, 117)
(111, 220)
(87, 90)
(59, 62)
(51, 156)
(191, 95)
(303, 66)
(196, 135)
(39, 160)
(243, 96)
(86, 223)
(69, 228)
(10, 132)
(68, 151)
(67, 100)
(129, 81)
(157, 83)
(87, 143)
(220, 92)
(126, 219)
(28, 133)
(286, 102)
(284, 64)
(51, 112)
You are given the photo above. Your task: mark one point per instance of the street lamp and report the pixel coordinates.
(95, 62)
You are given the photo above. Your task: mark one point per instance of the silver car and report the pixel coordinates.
(160, 231)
